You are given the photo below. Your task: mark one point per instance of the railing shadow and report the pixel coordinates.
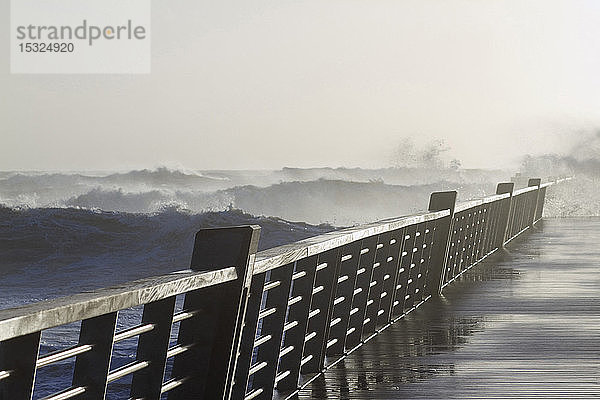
(403, 354)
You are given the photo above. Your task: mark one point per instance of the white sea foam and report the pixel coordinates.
(339, 196)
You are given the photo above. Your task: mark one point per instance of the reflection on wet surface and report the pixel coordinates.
(525, 324)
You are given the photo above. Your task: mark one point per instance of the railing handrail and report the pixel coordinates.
(64, 310)
(275, 257)
(464, 205)
(524, 190)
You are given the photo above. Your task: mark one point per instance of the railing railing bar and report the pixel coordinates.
(285, 351)
(298, 275)
(281, 376)
(178, 349)
(62, 355)
(126, 370)
(321, 266)
(48, 314)
(172, 384)
(290, 325)
(257, 367)
(131, 332)
(465, 205)
(306, 359)
(524, 190)
(271, 285)
(254, 394)
(278, 256)
(267, 312)
(66, 394)
(261, 340)
(183, 315)
(495, 197)
(339, 300)
(294, 300)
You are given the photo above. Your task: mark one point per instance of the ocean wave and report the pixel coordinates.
(579, 159)
(50, 250)
(322, 201)
(35, 189)
(198, 189)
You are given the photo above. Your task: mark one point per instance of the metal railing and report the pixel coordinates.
(255, 325)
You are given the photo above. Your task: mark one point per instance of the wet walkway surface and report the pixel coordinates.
(525, 324)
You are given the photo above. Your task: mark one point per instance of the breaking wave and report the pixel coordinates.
(580, 160)
(339, 196)
(48, 252)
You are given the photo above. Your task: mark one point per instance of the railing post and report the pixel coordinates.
(321, 305)
(506, 204)
(439, 253)
(343, 291)
(215, 333)
(152, 347)
(17, 359)
(91, 368)
(302, 287)
(539, 211)
(272, 325)
(242, 367)
(533, 212)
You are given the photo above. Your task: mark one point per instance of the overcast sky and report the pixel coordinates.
(266, 84)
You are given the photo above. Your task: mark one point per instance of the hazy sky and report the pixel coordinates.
(264, 84)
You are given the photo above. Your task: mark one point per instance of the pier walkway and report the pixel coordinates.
(523, 324)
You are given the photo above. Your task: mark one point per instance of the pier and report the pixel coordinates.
(523, 324)
(376, 311)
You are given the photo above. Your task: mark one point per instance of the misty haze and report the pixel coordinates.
(308, 119)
